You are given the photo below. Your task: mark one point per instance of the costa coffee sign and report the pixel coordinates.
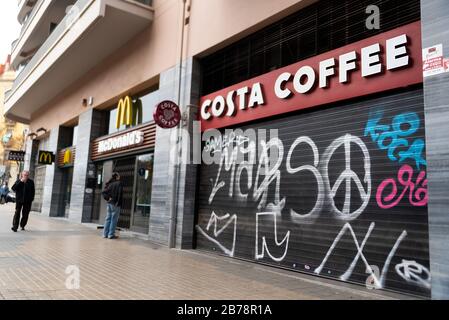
(123, 141)
(383, 62)
(167, 114)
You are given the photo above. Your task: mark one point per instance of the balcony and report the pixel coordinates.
(30, 20)
(36, 27)
(25, 6)
(91, 31)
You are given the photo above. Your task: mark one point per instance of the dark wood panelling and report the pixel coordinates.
(60, 157)
(149, 139)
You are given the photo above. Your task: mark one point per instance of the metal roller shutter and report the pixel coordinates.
(345, 194)
(39, 178)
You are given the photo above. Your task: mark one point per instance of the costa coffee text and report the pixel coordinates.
(369, 66)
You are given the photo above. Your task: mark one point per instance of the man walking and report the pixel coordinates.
(24, 189)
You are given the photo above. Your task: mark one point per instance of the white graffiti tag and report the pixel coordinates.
(413, 272)
(348, 176)
(214, 220)
(273, 150)
(264, 242)
(377, 282)
(297, 217)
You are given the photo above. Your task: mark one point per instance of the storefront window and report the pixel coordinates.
(144, 179)
(149, 102)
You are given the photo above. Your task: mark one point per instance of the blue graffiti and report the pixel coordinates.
(391, 137)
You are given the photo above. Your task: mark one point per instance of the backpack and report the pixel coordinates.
(106, 193)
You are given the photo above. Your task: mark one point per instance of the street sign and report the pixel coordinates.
(46, 157)
(16, 155)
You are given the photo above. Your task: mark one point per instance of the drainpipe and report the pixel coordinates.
(178, 133)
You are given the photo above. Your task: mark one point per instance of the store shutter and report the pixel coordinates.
(345, 197)
(39, 188)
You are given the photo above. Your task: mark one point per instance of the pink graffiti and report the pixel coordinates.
(417, 195)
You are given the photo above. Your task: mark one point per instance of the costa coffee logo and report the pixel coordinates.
(376, 64)
(125, 140)
(167, 114)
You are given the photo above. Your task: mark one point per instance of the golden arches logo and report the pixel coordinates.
(67, 157)
(45, 157)
(128, 113)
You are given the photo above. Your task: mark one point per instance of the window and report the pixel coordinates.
(148, 100)
(318, 28)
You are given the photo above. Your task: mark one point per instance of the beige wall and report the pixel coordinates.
(17, 140)
(213, 24)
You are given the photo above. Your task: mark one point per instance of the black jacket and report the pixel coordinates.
(115, 191)
(24, 191)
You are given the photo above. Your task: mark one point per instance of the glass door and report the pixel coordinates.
(126, 168)
(68, 193)
(142, 200)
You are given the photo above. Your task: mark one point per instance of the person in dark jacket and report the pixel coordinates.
(113, 194)
(24, 189)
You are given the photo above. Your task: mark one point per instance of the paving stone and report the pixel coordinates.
(41, 262)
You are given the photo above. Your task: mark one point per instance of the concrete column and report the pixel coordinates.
(90, 126)
(164, 161)
(435, 21)
(49, 188)
(31, 151)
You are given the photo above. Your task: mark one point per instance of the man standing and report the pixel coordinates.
(24, 189)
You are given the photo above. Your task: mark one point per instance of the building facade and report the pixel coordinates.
(312, 135)
(12, 133)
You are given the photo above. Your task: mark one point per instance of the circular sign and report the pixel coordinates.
(167, 114)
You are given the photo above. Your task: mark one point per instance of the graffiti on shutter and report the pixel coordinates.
(338, 192)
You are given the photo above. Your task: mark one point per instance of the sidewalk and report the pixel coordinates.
(33, 265)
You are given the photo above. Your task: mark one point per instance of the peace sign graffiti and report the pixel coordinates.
(348, 176)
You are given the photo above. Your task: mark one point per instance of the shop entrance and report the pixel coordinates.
(126, 168)
(67, 178)
(142, 199)
(136, 175)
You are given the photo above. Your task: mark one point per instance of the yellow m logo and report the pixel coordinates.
(128, 113)
(45, 157)
(67, 157)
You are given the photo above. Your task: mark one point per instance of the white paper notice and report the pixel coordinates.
(433, 61)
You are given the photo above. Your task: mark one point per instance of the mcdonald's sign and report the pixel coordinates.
(129, 113)
(67, 157)
(46, 157)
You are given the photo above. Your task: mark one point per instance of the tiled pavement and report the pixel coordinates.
(33, 265)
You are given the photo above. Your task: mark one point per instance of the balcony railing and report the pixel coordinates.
(60, 29)
(30, 18)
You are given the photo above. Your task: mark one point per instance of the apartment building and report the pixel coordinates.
(347, 176)
(12, 133)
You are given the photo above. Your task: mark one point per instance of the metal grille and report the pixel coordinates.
(126, 167)
(345, 190)
(39, 188)
(319, 28)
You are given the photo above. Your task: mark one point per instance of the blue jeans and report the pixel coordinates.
(111, 220)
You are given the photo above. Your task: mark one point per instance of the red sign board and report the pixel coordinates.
(167, 114)
(383, 62)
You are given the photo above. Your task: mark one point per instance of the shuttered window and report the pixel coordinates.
(319, 28)
(345, 189)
